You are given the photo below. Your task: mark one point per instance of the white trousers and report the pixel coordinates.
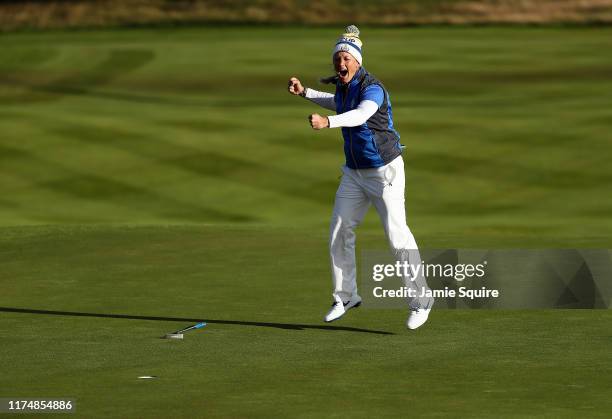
(383, 187)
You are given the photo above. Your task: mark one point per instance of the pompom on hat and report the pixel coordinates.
(349, 42)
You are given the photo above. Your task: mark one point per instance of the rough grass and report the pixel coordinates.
(98, 13)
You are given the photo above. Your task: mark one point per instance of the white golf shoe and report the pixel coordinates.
(339, 308)
(417, 318)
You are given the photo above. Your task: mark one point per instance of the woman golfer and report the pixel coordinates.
(373, 174)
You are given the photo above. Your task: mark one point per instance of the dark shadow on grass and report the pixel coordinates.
(287, 326)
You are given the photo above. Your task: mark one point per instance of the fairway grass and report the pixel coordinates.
(154, 178)
(73, 321)
(506, 129)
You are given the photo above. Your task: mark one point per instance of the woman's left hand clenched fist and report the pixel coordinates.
(318, 122)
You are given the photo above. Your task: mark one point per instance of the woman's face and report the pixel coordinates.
(345, 65)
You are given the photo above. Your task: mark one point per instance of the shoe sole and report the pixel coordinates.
(345, 311)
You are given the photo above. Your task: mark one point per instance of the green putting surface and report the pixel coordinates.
(83, 309)
(155, 178)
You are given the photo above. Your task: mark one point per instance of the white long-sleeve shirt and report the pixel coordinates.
(353, 118)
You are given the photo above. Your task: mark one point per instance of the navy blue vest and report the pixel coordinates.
(376, 142)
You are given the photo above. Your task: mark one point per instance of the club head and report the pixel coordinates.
(174, 336)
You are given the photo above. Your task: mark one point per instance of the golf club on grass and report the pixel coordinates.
(179, 333)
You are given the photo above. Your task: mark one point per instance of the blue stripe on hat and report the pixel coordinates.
(350, 43)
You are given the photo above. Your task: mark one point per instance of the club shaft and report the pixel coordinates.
(195, 326)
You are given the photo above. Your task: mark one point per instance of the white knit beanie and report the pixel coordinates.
(350, 42)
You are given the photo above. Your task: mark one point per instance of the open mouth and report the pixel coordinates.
(343, 72)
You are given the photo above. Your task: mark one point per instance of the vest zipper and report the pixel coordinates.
(349, 128)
